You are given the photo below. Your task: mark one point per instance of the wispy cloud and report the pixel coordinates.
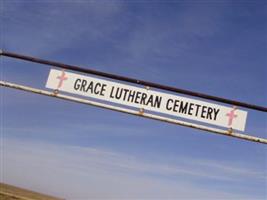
(36, 39)
(84, 172)
(208, 47)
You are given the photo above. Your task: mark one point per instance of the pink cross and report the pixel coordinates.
(61, 78)
(231, 116)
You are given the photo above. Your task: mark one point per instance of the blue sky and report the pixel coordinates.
(81, 152)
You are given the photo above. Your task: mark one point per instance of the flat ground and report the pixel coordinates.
(8, 192)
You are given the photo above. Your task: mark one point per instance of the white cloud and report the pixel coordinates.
(89, 173)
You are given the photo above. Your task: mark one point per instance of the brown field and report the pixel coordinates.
(8, 192)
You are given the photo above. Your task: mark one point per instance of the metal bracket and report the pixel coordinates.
(55, 92)
(141, 111)
(230, 131)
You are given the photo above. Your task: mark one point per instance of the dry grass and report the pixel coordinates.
(8, 192)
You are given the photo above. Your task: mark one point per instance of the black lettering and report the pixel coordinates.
(77, 84)
(131, 96)
(197, 108)
(203, 111)
(150, 101)
(143, 99)
(103, 89)
(183, 108)
(137, 97)
(176, 105)
(216, 111)
(111, 93)
(167, 104)
(209, 114)
(125, 94)
(118, 93)
(191, 108)
(96, 91)
(157, 101)
(84, 82)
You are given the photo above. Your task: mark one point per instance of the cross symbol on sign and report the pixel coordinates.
(61, 78)
(231, 116)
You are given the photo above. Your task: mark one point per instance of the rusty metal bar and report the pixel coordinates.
(136, 113)
(132, 80)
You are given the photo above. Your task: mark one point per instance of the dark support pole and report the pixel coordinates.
(131, 80)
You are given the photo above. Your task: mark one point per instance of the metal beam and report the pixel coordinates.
(132, 80)
(133, 112)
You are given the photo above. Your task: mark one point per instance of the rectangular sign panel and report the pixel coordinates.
(142, 98)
